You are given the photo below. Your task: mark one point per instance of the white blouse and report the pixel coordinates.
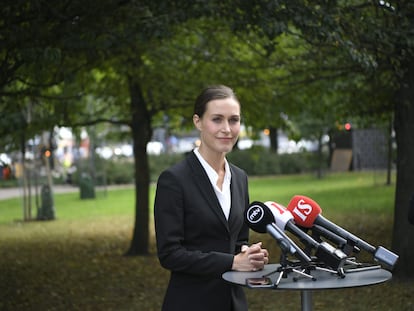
(223, 195)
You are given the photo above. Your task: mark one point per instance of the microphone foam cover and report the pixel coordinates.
(258, 216)
(280, 213)
(304, 210)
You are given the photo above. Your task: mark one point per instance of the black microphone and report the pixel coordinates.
(260, 219)
(325, 252)
(318, 231)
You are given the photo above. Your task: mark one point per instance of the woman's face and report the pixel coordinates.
(220, 125)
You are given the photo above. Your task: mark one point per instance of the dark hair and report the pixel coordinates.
(211, 93)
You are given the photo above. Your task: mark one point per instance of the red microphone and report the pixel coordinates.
(307, 213)
(326, 253)
(304, 210)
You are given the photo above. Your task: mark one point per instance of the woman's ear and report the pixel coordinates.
(196, 121)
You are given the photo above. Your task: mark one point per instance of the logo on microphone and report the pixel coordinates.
(255, 214)
(302, 209)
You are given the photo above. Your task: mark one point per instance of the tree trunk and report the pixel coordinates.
(403, 231)
(141, 134)
(26, 215)
(319, 157)
(389, 155)
(273, 139)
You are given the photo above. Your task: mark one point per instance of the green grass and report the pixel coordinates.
(364, 192)
(69, 206)
(76, 262)
(334, 193)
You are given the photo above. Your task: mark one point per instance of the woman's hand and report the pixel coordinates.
(251, 258)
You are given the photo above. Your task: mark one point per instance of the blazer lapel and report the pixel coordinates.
(203, 183)
(235, 200)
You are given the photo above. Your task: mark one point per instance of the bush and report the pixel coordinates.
(120, 171)
(110, 172)
(256, 161)
(9, 183)
(159, 163)
(259, 161)
(292, 163)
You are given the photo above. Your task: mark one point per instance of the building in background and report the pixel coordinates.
(360, 149)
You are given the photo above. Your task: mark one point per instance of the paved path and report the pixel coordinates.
(8, 193)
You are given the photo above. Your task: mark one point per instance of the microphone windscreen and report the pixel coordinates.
(304, 210)
(280, 213)
(258, 216)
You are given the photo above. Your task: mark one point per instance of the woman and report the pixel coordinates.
(199, 214)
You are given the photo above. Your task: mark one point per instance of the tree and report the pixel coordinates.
(64, 48)
(65, 56)
(84, 66)
(35, 59)
(376, 42)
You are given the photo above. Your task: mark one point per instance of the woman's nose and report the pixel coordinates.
(226, 127)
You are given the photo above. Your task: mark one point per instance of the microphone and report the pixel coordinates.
(307, 213)
(332, 257)
(260, 219)
(284, 220)
(318, 231)
(284, 216)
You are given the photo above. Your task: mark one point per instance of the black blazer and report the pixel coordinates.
(194, 239)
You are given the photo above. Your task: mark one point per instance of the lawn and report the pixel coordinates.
(77, 261)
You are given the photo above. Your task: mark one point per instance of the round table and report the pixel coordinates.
(322, 280)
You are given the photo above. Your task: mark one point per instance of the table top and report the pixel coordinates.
(323, 279)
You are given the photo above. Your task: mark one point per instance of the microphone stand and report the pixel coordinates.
(287, 266)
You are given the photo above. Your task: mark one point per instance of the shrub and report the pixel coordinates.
(115, 171)
(256, 161)
(259, 161)
(159, 163)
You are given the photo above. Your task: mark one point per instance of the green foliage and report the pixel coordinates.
(257, 161)
(70, 64)
(159, 163)
(110, 172)
(13, 182)
(120, 171)
(261, 162)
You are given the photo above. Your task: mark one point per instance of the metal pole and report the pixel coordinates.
(306, 297)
